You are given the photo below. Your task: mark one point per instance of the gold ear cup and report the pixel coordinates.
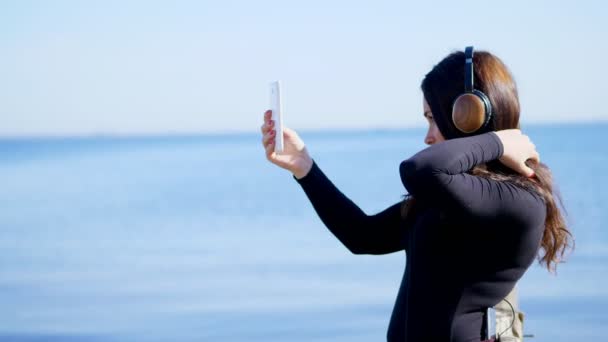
(468, 113)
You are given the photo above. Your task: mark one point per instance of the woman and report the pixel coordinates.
(480, 206)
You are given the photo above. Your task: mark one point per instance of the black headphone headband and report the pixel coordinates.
(468, 69)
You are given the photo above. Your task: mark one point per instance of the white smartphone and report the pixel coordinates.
(277, 114)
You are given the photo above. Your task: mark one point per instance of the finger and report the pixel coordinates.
(526, 171)
(534, 157)
(266, 138)
(266, 126)
(267, 116)
(270, 155)
(289, 133)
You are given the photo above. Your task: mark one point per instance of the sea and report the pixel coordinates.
(200, 238)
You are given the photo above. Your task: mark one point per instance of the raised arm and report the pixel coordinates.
(437, 175)
(381, 233)
(360, 233)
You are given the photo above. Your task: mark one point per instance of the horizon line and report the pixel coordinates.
(308, 130)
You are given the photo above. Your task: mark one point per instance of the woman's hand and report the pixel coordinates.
(517, 149)
(294, 158)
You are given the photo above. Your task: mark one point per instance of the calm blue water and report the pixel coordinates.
(199, 238)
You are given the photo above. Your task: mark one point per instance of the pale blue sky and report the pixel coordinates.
(120, 67)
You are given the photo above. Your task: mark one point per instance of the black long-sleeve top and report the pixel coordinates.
(466, 248)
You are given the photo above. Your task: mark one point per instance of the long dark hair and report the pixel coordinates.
(442, 85)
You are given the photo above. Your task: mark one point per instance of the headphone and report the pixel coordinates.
(471, 110)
